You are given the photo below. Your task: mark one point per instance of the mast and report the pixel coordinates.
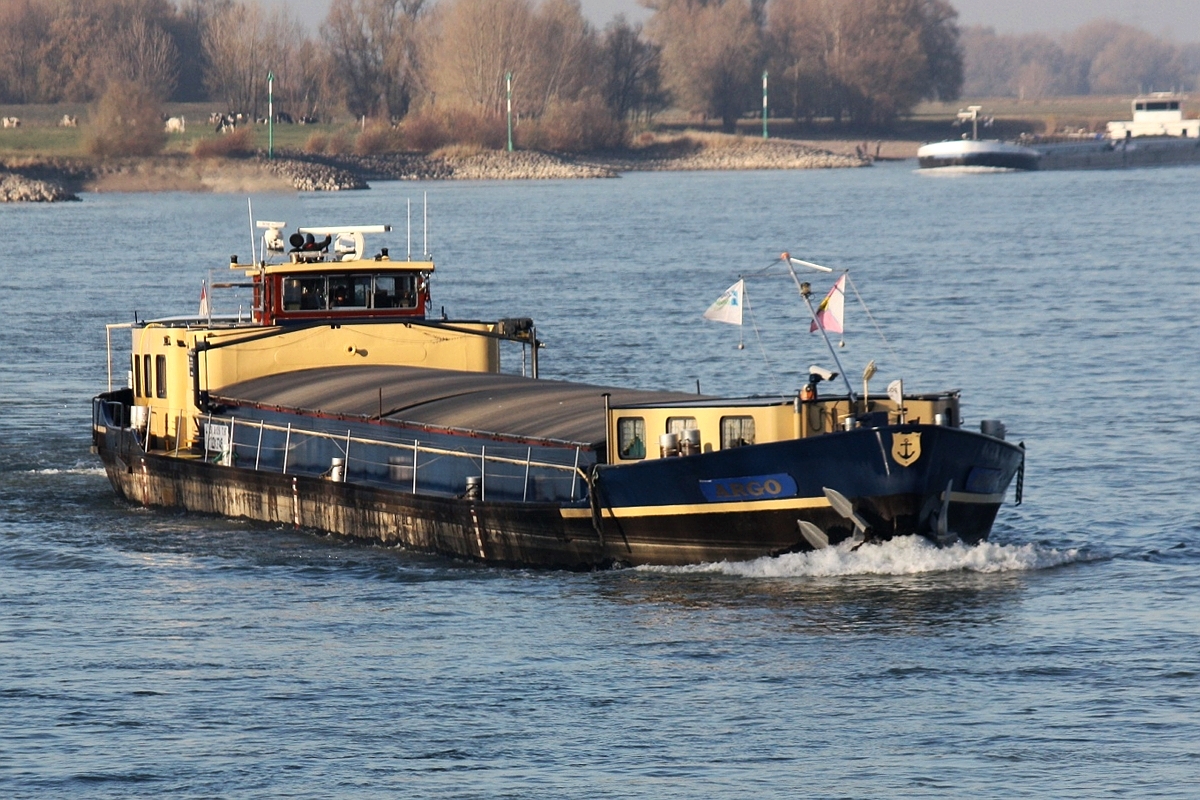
(805, 292)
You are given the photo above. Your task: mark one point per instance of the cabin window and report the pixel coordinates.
(160, 375)
(680, 424)
(146, 374)
(631, 437)
(137, 375)
(736, 432)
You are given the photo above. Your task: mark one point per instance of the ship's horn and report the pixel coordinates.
(815, 537)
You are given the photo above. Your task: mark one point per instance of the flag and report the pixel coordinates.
(829, 313)
(728, 307)
(204, 310)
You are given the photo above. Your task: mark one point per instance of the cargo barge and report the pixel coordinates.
(1157, 135)
(342, 405)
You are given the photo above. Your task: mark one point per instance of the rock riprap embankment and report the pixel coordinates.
(480, 165)
(723, 153)
(310, 175)
(56, 179)
(727, 153)
(18, 188)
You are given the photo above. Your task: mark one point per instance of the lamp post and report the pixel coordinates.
(764, 104)
(508, 89)
(270, 115)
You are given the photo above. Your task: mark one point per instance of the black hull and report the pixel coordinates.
(1140, 152)
(1013, 161)
(626, 519)
(894, 500)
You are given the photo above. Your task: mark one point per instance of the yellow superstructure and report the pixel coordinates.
(166, 356)
(638, 431)
(320, 306)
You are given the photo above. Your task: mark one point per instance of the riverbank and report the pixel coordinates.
(50, 180)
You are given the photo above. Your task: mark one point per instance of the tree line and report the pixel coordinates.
(1101, 57)
(859, 61)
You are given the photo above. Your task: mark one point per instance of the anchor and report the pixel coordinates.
(817, 539)
(845, 508)
(941, 532)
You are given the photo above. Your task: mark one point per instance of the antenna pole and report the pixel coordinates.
(250, 210)
(425, 224)
(410, 229)
(805, 291)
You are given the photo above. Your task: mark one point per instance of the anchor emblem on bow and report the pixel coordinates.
(906, 448)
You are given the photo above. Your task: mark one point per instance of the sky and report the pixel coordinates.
(1178, 20)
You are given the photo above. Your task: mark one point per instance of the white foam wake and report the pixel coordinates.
(907, 555)
(69, 471)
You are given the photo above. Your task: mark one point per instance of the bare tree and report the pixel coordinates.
(711, 55)
(566, 56)
(373, 55)
(943, 52)
(143, 54)
(69, 67)
(1103, 57)
(1122, 59)
(233, 40)
(304, 78)
(476, 43)
(24, 26)
(870, 59)
(242, 44)
(801, 38)
(879, 63)
(632, 77)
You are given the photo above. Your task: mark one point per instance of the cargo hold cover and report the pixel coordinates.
(477, 401)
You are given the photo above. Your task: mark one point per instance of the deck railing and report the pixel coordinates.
(255, 444)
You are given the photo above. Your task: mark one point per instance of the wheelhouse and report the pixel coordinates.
(334, 278)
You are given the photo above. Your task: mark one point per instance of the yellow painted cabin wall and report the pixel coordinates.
(289, 351)
(774, 423)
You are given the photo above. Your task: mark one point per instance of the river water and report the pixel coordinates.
(151, 653)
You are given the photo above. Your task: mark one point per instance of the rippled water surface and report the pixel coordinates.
(154, 653)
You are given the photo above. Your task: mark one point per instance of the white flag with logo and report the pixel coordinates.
(728, 307)
(204, 308)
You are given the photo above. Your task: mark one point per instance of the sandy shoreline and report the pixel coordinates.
(37, 180)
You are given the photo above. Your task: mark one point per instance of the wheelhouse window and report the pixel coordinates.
(321, 292)
(304, 294)
(736, 432)
(137, 375)
(146, 374)
(631, 437)
(349, 291)
(395, 291)
(160, 375)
